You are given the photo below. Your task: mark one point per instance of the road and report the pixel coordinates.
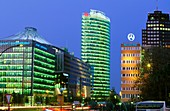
(44, 108)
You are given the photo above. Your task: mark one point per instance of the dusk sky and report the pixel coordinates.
(59, 22)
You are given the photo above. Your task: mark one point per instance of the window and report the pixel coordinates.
(123, 95)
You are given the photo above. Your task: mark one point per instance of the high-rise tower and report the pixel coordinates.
(157, 32)
(95, 49)
(130, 60)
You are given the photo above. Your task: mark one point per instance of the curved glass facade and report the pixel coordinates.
(27, 71)
(95, 49)
(15, 68)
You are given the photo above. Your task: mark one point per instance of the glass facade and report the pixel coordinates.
(15, 68)
(95, 50)
(74, 77)
(33, 70)
(26, 69)
(44, 70)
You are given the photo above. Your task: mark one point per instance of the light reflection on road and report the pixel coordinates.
(47, 108)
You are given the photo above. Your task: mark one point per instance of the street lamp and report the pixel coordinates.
(82, 102)
(149, 68)
(120, 104)
(16, 93)
(61, 98)
(47, 99)
(148, 65)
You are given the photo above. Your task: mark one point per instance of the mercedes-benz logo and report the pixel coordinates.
(131, 37)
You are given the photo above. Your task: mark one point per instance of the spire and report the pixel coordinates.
(156, 5)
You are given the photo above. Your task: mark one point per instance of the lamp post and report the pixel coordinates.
(47, 99)
(61, 98)
(120, 104)
(16, 92)
(82, 101)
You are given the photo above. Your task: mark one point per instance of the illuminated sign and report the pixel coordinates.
(14, 43)
(86, 14)
(65, 74)
(131, 37)
(40, 46)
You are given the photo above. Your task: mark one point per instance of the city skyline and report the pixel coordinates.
(60, 22)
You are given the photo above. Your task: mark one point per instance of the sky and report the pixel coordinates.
(59, 22)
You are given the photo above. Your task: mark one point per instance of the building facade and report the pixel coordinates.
(73, 76)
(156, 44)
(30, 65)
(130, 60)
(157, 31)
(95, 50)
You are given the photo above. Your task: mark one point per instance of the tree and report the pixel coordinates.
(114, 97)
(155, 73)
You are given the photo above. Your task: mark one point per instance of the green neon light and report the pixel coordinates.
(43, 69)
(44, 58)
(43, 53)
(45, 64)
(43, 80)
(39, 86)
(44, 75)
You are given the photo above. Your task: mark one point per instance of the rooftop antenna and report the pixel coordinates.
(156, 5)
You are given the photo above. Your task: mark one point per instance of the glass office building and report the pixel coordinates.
(74, 74)
(95, 50)
(29, 67)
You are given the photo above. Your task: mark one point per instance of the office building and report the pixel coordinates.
(130, 60)
(95, 50)
(30, 69)
(73, 76)
(157, 31)
(156, 43)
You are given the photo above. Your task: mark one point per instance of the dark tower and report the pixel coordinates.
(157, 32)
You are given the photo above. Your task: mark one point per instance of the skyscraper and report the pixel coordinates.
(95, 49)
(157, 32)
(156, 42)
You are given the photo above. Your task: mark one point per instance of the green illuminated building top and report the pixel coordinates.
(95, 49)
